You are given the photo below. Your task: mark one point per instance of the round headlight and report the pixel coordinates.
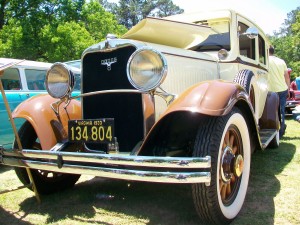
(59, 80)
(146, 69)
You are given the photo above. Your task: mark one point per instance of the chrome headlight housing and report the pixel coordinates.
(146, 69)
(59, 80)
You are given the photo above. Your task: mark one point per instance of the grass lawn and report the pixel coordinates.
(273, 196)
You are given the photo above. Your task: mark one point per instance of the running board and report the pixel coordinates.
(266, 136)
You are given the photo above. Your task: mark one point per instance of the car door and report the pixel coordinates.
(11, 81)
(253, 54)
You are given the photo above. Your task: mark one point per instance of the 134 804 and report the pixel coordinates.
(99, 130)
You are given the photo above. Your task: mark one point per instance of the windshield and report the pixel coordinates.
(216, 40)
(75, 63)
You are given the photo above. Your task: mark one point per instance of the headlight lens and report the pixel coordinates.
(146, 69)
(59, 80)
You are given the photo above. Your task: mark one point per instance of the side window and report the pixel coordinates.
(77, 82)
(11, 79)
(35, 79)
(262, 50)
(247, 45)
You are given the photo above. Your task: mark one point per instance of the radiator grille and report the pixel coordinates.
(126, 109)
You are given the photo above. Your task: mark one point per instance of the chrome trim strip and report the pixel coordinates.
(149, 176)
(149, 115)
(169, 98)
(118, 159)
(116, 91)
(189, 57)
(110, 45)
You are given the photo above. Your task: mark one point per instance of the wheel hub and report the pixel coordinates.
(238, 165)
(231, 165)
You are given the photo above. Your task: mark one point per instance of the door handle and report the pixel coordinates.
(27, 95)
(261, 72)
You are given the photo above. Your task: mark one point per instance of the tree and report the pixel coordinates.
(287, 42)
(130, 12)
(166, 8)
(50, 10)
(3, 4)
(295, 64)
(53, 30)
(11, 38)
(99, 22)
(29, 17)
(67, 41)
(286, 28)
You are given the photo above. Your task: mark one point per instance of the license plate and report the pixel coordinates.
(92, 131)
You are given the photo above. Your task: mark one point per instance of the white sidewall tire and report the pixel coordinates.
(232, 210)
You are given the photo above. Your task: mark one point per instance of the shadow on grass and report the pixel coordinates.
(291, 138)
(259, 207)
(105, 201)
(89, 201)
(4, 168)
(10, 218)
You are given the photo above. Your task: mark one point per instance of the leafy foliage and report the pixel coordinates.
(287, 42)
(53, 30)
(63, 42)
(60, 30)
(99, 22)
(130, 12)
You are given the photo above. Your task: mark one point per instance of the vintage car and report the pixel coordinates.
(74, 63)
(293, 99)
(181, 100)
(292, 102)
(20, 82)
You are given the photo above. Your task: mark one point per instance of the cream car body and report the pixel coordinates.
(183, 99)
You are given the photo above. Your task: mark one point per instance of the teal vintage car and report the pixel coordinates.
(21, 82)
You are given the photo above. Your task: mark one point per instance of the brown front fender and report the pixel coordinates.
(178, 126)
(213, 98)
(38, 112)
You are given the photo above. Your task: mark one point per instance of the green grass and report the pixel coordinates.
(273, 196)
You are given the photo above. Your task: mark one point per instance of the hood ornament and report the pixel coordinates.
(108, 38)
(108, 62)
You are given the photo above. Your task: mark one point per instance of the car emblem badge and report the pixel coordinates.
(108, 62)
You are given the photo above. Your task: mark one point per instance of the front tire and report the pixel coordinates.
(46, 182)
(226, 140)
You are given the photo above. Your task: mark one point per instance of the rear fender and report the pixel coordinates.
(271, 116)
(49, 127)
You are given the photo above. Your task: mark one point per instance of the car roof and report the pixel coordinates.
(25, 63)
(219, 14)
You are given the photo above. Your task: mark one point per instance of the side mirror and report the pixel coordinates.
(251, 33)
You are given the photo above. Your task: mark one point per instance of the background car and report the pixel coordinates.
(74, 63)
(21, 82)
(293, 99)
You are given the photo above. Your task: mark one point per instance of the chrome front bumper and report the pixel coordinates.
(117, 166)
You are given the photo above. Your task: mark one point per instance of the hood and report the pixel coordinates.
(170, 33)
